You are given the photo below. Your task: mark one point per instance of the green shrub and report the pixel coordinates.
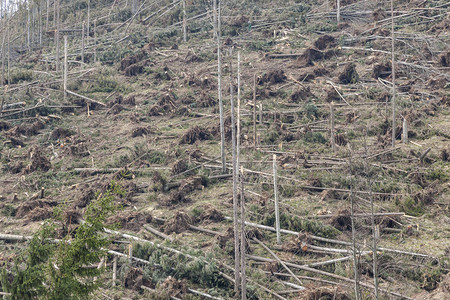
(314, 137)
(295, 223)
(9, 210)
(18, 76)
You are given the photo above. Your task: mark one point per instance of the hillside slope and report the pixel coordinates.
(141, 110)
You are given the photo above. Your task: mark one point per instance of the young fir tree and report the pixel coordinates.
(49, 270)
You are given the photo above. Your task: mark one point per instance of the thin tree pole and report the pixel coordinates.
(332, 141)
(184, 22)
(95, 41)
(88, 24)
(47, 15)
(254, 110)
(65, 68)
(243, 239)
(114, 275)
(214, 19)
(235, 182)
(3, 51)
(219, 71)
(28, 26)
(374, 245)
(260, 113)
(57, 35)
(39, 8)
(238, 118)
(393, 73)
(275, 192)
(405, 131)
(355, 258)
(9, 45)
(82, 41)
(338, 11)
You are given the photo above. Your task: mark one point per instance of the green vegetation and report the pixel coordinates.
(48, 270)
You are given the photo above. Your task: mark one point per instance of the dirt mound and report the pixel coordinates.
(302, 94)
(437, 83)
(325, 41)
(77, 145)
(323, 292)
(15, 167)
(87, 196)
(349, 74)
(132, 221)
(342, 220)
(131, 60)
(38, 161)
(319, 71)
(27, 129)
(141, 131)
(274, 77)
(298, 244)
(443, 26)
(178, 224)
(130, 100)
(206, 100)
(341, 139)
(445, 155)
(40, 213)
(382, 70)
(379, 14)
(134, 70)
(173, 287)
(60, 133)
(210, 214)
(441, 292)
(351, 117)
(134, 279)
(309, 56)
(240, 21)
(115, 109)
(27, 208)
(332, 95)
(4, 125)
(191, 57)
(194, 134)
(179, 167)
(166, 104)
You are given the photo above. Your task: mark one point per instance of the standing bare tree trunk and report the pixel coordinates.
(219, 73)
(57, 35)
(65, 68)
(374, 245)
(405, 131)
(47, 15)
(215, 18)
(243, 239)
(88, 29)
(82, 41)
(354, 249)
(28, 26)
(332, 141)
(9, 44)
(275, 192)
(184, 22)
(338, 11)
(3, 50)
(95, 40)
(393, 73)
(238, 119)
(254, 111)
(40, 23)
(235, 182)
